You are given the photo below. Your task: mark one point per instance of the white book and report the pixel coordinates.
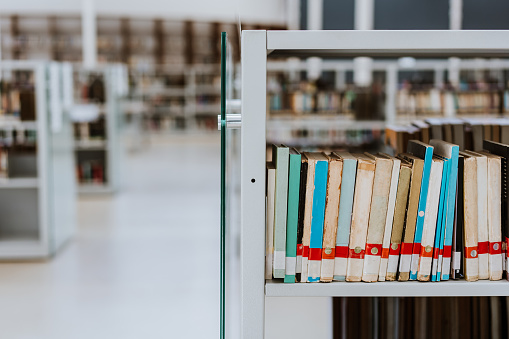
(430, 221)
(269, 249)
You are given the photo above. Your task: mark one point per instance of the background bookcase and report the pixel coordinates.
(97, 146)
(37, 188)
(257, 46)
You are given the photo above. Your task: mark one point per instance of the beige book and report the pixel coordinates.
(331, 217)
(377, 216)
(269, 250)
(360, 216)
(470, 216)
(308, 213)
(398, 223)
(494, 215)
(482, 214)
(411, 216)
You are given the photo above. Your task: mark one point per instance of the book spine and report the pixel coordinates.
(331, 219)
(450, 216)
(458, 230)
(438, 251)
(430, 221)
(308, 210)
(377, 219)
(271, 183)
(421, 213)
(482, 216)
(344, 218)
(317, 222)
(281, 207)
(360, 219)
(471, 219)
(398, 222)
(384, 260)
(494, 218)
(292, 217)
(300, 228)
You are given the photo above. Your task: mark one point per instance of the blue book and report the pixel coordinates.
(318, 215)
(425, 152)
(448, 151)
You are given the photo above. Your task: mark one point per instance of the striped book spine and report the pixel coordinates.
(482, 215)
(292, 216)
(345, 215)
(471, 218)
(308, 210)
(281, 156)
(436, 266)
(317, 222)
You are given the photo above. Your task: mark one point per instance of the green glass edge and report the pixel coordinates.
(223, 185)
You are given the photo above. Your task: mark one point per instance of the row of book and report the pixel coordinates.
(433, 213)
(91, 130)
(301, 102)
(90, 172)
(18, 102)
(467, 133)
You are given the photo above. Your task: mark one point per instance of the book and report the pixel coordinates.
(300, 224)
(458, 229)
(430, 220)
(308, 210)
(451, 152)
(411, 216)
(318, 213)
(292, 218)
(470, 217)
(384, 260)
(330, 227)
(425, 152)
(399, 219)
(269, 236)
(281, 158)
(494, 215)
(438, 250)
(360, 217)
(345, 214)
(482, 214)
(377, 217)
(503, 151)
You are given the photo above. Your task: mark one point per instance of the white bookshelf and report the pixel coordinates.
(256, 47)
(38, 212)
(114, 77)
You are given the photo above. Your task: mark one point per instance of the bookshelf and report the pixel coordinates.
(257, 46)
(37, 186)
(97, 138)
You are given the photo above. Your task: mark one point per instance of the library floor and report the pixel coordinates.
(144, 262)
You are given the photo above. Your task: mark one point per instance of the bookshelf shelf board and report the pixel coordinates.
(90, 145)
(8, 123)
(388, 289)
(94, 188)
(19, 183)
(317, 123)
(18, 248)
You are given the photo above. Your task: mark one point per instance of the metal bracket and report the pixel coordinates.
(233, 121)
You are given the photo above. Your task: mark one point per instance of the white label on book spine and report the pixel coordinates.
(434, 268)
(483, 266)
(371, 266)
(304, 273)
(279, 260)
(298, 266)
(340, 267)
(446, 267)
(327, 268)
(456, 260)
(495, 266)
(415, 265)
(290, 265)
(404, 265)
(392, 265)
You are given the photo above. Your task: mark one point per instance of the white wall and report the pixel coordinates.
(251, 11)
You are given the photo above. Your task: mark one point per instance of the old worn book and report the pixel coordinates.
(281, 157)
(457, 265)
(384, 260)
(436, 128)
(292, 218)
(451, 152)
(377, 217)
(430, 220)
(424, 130)
(425, 152)
(482, 214)
(494, 215)
(269, 248)
(308, 210)
(345, 214)
(470, 206)
(302, 205)
(398, 223)
(318, 213)
(503, 151)
(360, 217)
(411, 216)
(330, 227)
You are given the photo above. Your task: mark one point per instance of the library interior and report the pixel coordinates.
(315, 168)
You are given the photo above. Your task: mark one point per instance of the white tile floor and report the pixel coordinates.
(144, 262)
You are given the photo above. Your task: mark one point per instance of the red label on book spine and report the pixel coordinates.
(299, 249)
(417, 248)
(406, 248)
(356, 253)
(385, 253)
(394, 249)
(495, 247)
(341, 251)
(329, 255)
(427, 252)
(447, 251)
(374, 249)
(483, 247)
(305, 251)
(315, 254)
(471, 252)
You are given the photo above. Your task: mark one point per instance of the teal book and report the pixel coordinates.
(280, 157)
(292, 215)
(318, 215)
